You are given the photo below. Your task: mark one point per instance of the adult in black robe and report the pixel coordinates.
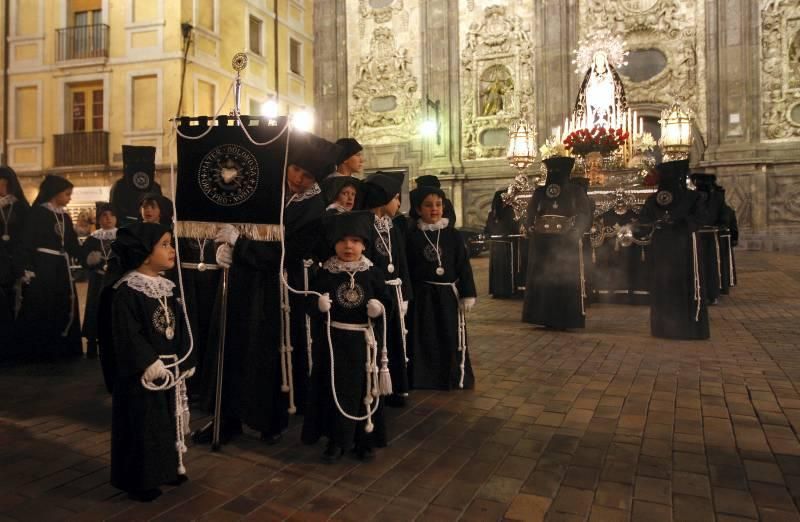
(138, 179)
(49, 323)
(444, 290)
(13, 211)
(677, 305)
(95, 259)
(708, 234)
(503, 255)
(387, 250)
(558, 216)
(728, 237)
(144, 452)
(348, 299)
(618, 273)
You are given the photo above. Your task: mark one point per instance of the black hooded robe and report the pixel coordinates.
(98, 280)
(349, 354)
(553, 287)
(502, 251)
(143, 431)
(10, 258)
(49, 322)
(619, 274)
(434, 312)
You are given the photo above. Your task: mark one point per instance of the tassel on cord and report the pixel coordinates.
(384, 377)
(308, 263)
(583, 278)
(398, 291)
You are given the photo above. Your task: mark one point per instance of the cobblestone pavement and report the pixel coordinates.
(604, 424)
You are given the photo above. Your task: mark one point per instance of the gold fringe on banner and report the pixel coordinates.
(208, 230)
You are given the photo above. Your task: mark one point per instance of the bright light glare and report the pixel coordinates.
(428, 128)
(269, 109)
(303, 120)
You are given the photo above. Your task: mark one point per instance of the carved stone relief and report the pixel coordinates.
(673, 27)
(780, 69)
(784, 199)
(384, 74)
(381, 11)
(496, 80)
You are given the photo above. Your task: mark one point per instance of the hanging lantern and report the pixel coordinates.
(521, 145)
(676, 133)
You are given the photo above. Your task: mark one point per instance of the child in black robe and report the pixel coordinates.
(148, 337)
(353, 294)
(381, 195)
(444, 291)
(95, 258)
(49, 323)
(13, 210)
(340, 193)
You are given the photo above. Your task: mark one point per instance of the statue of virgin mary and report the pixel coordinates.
(601, 95)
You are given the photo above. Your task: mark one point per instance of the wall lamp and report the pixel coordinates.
(430, 127)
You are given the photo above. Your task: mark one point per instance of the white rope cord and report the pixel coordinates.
(65, 255)
(308, 263)
(205, 132)
(386, 245)
(398, 292)
(583, 276)
(732, 281)
(696, 266)
(287, 386)
(462, 328)
(719, 260)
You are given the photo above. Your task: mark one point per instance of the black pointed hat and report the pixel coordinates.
(672, 174)
(313, 154)
(139, 166)
(357, 223)
(380, 188)
(558, 169)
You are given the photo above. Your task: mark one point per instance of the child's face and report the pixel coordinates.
(163, 255)
(63, 198)
(298, 180)
(430, 211)
(107, 220)
(151, 212)
(347, 197)
(3, 187)
(349, 248)
(355, 162)
(393, 206)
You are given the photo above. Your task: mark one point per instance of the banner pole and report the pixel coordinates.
(223, 320)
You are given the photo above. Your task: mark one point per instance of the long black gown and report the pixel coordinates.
(11, 232)
(677, 308)
(349, 354)
(143, 431)
(379, 255)
(98, 241)
(727, 237)
(434, 312)
(710, 206)
(49, 323)
(619, 274)
(502, 251)
(553, 292)
(200, 291)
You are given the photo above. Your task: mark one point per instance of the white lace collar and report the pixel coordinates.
(337, 207)
(308, 194)
(432, 227)
(105, 235)
(150, 286)
(52, 208)
(8, 199)
(383, 224)
(335, 266)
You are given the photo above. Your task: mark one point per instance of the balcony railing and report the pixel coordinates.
(82, 42)
(81, 148)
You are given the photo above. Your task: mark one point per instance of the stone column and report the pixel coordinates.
(330, 69)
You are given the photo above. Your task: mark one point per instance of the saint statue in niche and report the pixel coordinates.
(601, 95)
(496, 89)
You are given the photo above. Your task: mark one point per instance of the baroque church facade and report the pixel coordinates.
(477, 66)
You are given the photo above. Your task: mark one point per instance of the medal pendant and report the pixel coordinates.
(169, 333)
(201, 267)
(439, 271)
(105, 267)
(390, 268)
(6, 237)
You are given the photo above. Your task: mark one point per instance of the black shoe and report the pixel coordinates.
(364, 454)
(147, 495)
(271, 440)
(332, 453)
(180, 479)
(395, 401)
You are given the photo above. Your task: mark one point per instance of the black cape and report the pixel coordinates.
(433, 314)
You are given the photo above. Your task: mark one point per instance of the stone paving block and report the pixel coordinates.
(574, 501)
(691, 508)
(649, 512)
(531, 508)
(734, 502)
(653, 490)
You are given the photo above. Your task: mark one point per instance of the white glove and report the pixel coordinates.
(189, 373)
(324, 303)
(224, 255)
(404, 307)
(374, 308)
(27, 277)
(227, 234)
(157, 370)
(94, 258)
(467, 303)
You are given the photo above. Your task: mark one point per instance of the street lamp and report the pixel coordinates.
(676, 133)
(430, 127)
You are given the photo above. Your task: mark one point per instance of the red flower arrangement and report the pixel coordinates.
(599, 139)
